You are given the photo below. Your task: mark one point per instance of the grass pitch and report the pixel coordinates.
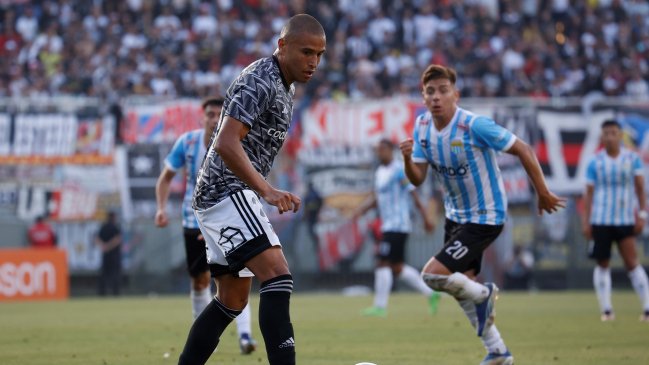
(547, 328)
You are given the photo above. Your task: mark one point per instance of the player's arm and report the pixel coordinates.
(547, 201)
(429, 224)
(162, 187)
(367, 205)
(113, 243)
(228, 146)
(588, 207)
(415, 171)
(641, 216)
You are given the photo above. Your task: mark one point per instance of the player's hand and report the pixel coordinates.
(639, 224)
(161, 218)
(550, 203)
(406, 147)
(586, 230)
(283, 200)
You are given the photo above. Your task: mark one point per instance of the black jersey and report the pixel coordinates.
(261, 99)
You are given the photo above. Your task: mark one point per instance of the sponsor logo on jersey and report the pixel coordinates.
(459, 171)
(276, 134)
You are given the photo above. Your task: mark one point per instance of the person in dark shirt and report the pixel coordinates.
(109, 239)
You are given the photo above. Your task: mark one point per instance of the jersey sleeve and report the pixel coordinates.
(250, 97)
(175, 160)
(417, 150)
(591, 173)
(638, 169)
(488, 134)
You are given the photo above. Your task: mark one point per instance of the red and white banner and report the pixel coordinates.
(164, 122)
(331, 123)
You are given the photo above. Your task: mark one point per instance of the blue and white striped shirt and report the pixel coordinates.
(614, 199)
(392, 190)
(463, 158)
(188, 152)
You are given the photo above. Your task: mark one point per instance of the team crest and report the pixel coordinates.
(456, 146)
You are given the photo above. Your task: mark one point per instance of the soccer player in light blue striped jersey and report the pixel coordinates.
(393, 197)
(461, 148)
(615, 211)
(187, 154)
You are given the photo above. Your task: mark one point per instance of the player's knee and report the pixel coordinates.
(233, 300)
(435, 281)
(201, 282)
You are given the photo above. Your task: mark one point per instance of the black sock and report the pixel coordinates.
(205, 333)
(275, 320)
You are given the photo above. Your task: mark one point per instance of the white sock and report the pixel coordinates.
(411, 277)
(641, 285)
(461, 287)
(491, 339)
(200, 300)
(602, 284)
(244, 321)
(382, 286)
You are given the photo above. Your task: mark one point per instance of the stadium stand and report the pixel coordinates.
(376, 48)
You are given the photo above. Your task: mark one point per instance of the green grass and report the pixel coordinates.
(548, 328)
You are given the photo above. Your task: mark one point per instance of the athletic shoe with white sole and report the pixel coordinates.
(485, 310)
(607, 316)
(247, 345)
(498, 359)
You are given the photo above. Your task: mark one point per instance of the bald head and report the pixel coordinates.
(301, 24)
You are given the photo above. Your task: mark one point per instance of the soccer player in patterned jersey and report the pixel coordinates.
(187, 153)
(461, 148)
(614, 189)
(231, 182)
(392, 196)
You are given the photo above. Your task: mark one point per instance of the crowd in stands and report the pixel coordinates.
(375, 48)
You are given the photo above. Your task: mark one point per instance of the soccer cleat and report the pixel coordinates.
(375, 312)
(485, 309)
(498, 359)
(247, 345)
(645, 316)
(607, 316)
(433, 302)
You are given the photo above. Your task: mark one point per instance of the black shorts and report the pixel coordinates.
(392, 247)
(464, 245)
(195, 252)
(603, 238)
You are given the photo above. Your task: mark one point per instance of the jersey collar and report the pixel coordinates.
(449, 126)
(281, 74)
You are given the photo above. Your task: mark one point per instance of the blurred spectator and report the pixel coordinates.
(109, 239)
(519, 269)
(375, 48)
(41, 234)
(27, 24)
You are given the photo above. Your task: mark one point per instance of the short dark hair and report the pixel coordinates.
(611, 123)
(302, 23)
(212, 100)
(434, 72)
(386, 142)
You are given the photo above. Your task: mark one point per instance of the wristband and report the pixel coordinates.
(643, 214)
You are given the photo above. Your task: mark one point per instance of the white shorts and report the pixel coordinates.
(236, 229)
